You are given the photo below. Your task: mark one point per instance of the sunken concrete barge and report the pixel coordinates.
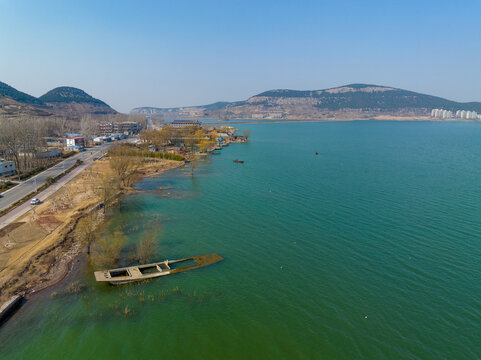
(148, 271)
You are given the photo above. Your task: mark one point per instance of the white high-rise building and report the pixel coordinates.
(446, 114)
(459, 114)
(441, 114)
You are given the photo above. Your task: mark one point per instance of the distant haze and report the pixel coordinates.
(180, 53)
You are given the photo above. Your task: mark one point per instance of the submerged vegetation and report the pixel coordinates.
(109, 248)
(106, 250)
(146, 246)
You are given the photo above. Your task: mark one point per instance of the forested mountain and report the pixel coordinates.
(354, 101)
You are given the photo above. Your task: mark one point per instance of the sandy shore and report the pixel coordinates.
(37, 250)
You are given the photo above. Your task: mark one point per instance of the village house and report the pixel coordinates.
(48, 153)
(76, 143)
(7, 168)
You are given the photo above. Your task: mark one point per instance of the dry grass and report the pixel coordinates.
(34, 248)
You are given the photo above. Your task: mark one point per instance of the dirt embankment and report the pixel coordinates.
(36, 250)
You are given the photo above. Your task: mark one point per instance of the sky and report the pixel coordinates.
(180, 53)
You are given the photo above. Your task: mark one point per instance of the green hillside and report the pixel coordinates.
(384, 99)
(14, 94)
(65, 94)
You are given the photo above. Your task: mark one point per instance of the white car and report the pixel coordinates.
(35, 201)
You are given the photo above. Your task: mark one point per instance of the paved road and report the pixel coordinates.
(18, 192)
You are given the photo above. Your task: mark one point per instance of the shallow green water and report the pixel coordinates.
(370, 250)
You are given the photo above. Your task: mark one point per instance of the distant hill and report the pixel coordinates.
(363, 96)
(353, 101)
(70, 100)
(12, 108)
(66, 94)
(63, 100)
(14, 94)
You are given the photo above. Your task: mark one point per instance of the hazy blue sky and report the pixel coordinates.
(176, 53)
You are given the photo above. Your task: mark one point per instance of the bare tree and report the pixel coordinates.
(89, 126)
(193, 162)
(10, 143)
(146, 247)
(106, 251)
(86, 230)
(107, 188)
(62, 126)
(123, 165)
(246, 133)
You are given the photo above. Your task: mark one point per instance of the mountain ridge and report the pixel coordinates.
(343, 102)
(66, 94)
(18, 96)
(63, 100)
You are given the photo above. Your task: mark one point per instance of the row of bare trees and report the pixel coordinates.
(103, 248)
(190, 137)
(22, 139)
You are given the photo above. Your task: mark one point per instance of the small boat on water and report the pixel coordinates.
(148, 271)
(239, 161)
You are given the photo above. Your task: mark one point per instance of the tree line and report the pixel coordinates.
(189, 138)
(22, 140)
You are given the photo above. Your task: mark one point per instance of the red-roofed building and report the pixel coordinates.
(75, 142)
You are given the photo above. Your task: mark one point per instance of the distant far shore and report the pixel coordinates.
(279, 121)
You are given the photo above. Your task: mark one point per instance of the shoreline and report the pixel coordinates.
(280, 121)
(58, 252)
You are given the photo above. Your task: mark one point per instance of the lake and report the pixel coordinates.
(369, 250)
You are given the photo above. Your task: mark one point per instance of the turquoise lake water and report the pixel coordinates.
(370, 250)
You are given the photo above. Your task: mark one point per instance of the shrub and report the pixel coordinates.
(31, 173)
(68, 154)
(6, 185)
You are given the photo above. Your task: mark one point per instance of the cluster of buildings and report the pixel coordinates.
(54, 147)
(184, 123)
(126, 128)
(268, 115)
(460, 114)
(109, 138)
(109, 131)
